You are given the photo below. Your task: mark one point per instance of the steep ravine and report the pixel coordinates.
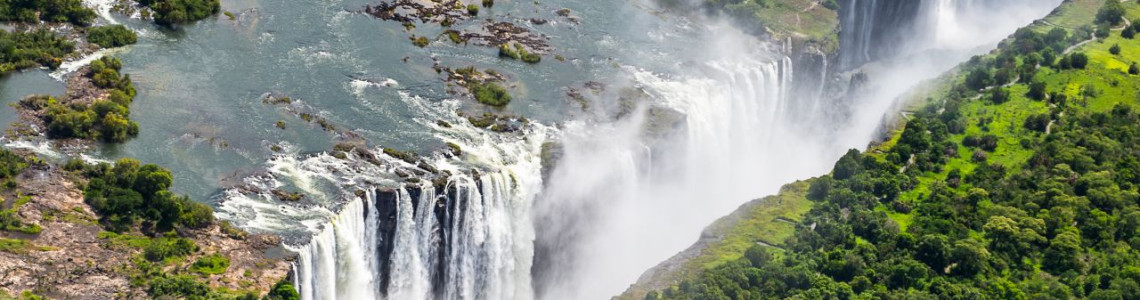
(871, 32)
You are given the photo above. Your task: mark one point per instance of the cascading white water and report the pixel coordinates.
(469, 238)
(625, 195)
(620, 201)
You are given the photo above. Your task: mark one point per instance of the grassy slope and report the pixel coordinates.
(768, 220)
(802, 17)
(1105, 71)
(805, 20)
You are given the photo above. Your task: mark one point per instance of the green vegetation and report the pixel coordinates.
(518, 52)
(213, 264)
(128, 192)
(11, 165)
(283, 290)
(473, 9)
(111, 36)
(22, 50)
(490, 93)
(420, 41)
(104, 119)
(58, 11)
(488, 3)
(1034, 196)
(16, 246)
(784, 18)
(175, 12)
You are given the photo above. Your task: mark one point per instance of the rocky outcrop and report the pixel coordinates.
(73, 258)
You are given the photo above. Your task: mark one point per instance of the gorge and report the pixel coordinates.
(569, 150)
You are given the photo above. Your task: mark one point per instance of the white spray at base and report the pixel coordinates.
(377, 232)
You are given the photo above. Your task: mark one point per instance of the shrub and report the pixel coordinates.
(212, 264)
(30, 49)
(490, 94)
(283, 290)
(1037, 91)
(1134, 69)
(1115, 49)
(420, 41)
(532, 58)
(1078, 60)
(178, 285)
(473, 9)
(488, 3)
(999, 95)
(162, 248)
(505, 50)
(111, 36)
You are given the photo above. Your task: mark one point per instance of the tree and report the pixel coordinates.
(1037, 91)
(1063, 252)
(1115, 49)
(1111, 13)
(970, 257)
(111, 36)
(978, 79)
(999, 95)
(847, 165)
(1078, 60)
(906, 273)
(934, 250)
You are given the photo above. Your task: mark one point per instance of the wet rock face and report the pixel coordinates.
(447, 214)
(873, 29)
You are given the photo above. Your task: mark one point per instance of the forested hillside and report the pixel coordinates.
(1016, 178)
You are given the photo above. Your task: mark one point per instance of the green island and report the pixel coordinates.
(1015, 177)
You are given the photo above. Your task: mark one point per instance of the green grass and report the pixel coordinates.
(18, 246)
(1075, 13)
(768, 220)
(1106, 72)
(792, 17)
(125, 240)
(212, 264)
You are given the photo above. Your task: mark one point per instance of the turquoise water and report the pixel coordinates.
(200, 87)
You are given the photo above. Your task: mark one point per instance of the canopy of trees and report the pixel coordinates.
(129, 192)
(104, 119)
(174, 12)
(22, 50)
(1063, 223)
(111, 36)
(32, 11)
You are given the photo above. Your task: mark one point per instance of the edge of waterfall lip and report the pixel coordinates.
(261, 182)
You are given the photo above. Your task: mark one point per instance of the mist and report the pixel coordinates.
(627, 195)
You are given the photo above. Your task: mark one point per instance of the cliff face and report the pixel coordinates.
(873, 29)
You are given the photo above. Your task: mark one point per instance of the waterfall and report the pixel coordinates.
(631, 186)
(620, 201)
(374, 226)
(871, 30)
